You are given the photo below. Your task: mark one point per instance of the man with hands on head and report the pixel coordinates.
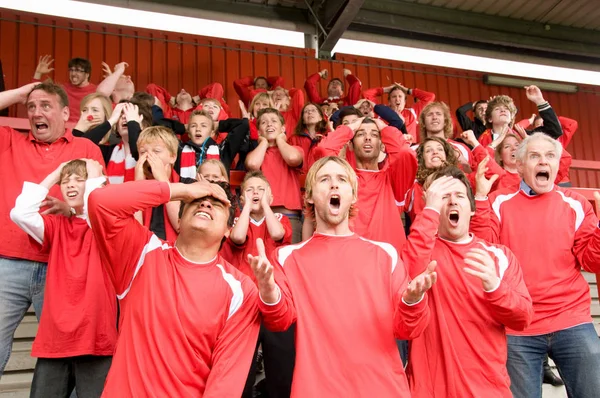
(189, 319)
(348, 296)
(462, 353)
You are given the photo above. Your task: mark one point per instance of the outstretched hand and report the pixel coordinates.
(418, 286)
(483, 184)
(263, 271)
(482, 265)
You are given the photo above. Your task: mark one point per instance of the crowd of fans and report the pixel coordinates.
(419, 258)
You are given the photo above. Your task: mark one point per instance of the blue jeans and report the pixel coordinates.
(21, 284)
(575, 351)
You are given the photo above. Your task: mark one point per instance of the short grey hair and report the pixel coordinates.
(522, 150)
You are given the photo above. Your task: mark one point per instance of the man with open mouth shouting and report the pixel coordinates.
(554, 233)
(348, 296)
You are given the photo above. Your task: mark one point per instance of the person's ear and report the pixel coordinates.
(65, 113)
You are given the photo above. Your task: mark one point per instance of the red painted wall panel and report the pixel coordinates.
(177, 61)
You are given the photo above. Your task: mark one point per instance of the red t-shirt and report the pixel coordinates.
(237, 255)
(80, 305)
(462, 353)
(345, 295)
(554, 236)
(22, 158)
(187, 329)
(283, 179)
(75, 95)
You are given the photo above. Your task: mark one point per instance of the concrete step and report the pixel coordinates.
(21, 359)
(15, 383)
(28, 328)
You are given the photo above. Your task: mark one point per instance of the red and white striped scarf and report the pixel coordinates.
(188, 159)
(119, 168)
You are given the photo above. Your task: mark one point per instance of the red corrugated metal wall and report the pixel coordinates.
(178, 61)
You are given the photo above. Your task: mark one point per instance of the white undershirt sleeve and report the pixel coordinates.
(26, 213)
(90, 185)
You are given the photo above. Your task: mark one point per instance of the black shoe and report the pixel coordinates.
(551, 378)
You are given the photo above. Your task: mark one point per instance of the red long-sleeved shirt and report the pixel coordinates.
(553, 235)
(345, 295)
(378, 216)
(351, 98)
(410, 115)
(462, 353)
(187, 329)
(244, 87)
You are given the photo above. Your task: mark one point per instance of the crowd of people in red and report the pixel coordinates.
(418, 259)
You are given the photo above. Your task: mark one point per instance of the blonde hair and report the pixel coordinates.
(159, 133)
(497, 101)
(254, 174)
(76, 166)
(260, 97)
(311, 179)
(207, 100)
(447, 119)
(106, 106)
(199, 112)
(217, 163)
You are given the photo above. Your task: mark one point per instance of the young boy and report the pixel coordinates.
(77, 334)
(280, 162)
(157, 147)
(209, 139)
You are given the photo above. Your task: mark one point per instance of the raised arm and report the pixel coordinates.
(16, 96)
(463, 119)
(373, 94)
(424, 97)
(551, 123)
(255, 158)
(107, 86)
(587, 238)
(291, 154)
(569, 127)
(243, 88)
(239, 232)
(391, 117)
(353, 92)
(310, 85)
(235, 346)
(332, 144)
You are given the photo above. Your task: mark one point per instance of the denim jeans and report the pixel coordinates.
(575, 351)
(21, 284)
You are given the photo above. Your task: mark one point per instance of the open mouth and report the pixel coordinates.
(203, 214)
(453, 217)
(41, 126)
(334, 204)
(368, 148)
(72, 194)
(542, 176)
(255, 200)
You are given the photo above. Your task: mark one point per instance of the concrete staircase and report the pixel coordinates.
(16, 381)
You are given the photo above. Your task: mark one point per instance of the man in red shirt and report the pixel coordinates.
(31, 157)
(348, 296)
(462, 353)
(554, 233)
(189, 319)
(78, 86)
(335, 89)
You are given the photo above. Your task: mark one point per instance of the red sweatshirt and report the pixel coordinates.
(410, 115)
(294, 112)
(345, 295)
(553, 235)
(237, 255)
(244, 87)
(187, 329)
(569, 127)
(351, 98)
(378, 216)
(462, 353)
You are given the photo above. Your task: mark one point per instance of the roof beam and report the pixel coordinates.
(336, 16)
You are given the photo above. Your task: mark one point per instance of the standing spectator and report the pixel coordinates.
(480, 291)
(189, 318)
(478, 124)
(345, 347)
(335, 89)
(116, 85)
(397, 101)
(570, 240)
(80, 70)
(31, 157)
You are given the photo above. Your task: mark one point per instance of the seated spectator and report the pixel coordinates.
(95, 109)
(335, 89)
(248, 87)
(280, 163)
(120, 151)
(189, 318)
(77, 335)
(480, 291)
(289, 104)
(397, 102)
(309, 132)
(478, 124)
(213, 170)
(116, 85)
(378, 218)
(31, 157)
(157, 147)
(80, 70)
(259, 102)
(203, 145)
(366, 305)
(554, 233)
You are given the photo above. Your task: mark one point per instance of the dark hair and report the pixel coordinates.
(457, 173)
(346, 111)
(451, 158)
(320, 128)
(50, 87)
(479, 103)
(257, 78)
(335, 79)
(394, 89)
(82, 63)
(227, 190)
(142, 97)
(144, 110)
